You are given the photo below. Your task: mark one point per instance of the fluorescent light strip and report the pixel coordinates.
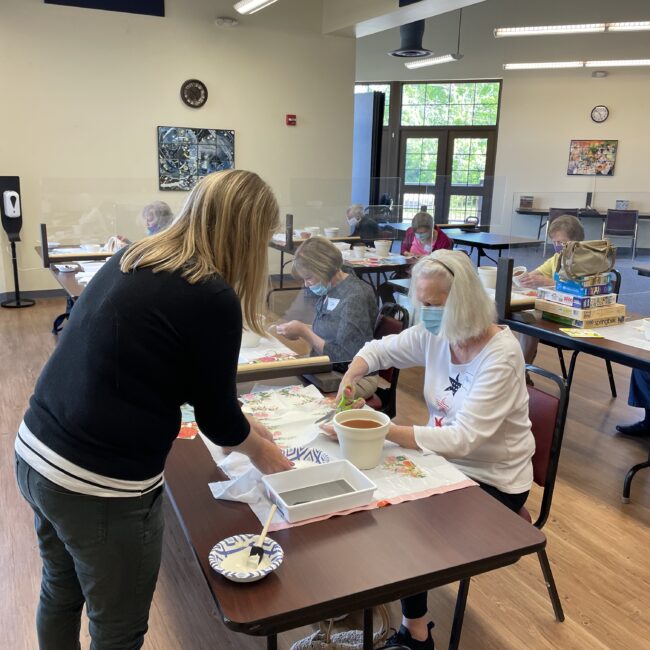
(587, 28)
(544, 30)
(251, 6)
(544, 66)
(433, 60)
(636, 26)
(624, 63)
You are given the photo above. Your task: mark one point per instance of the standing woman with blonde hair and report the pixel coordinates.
(159, 325)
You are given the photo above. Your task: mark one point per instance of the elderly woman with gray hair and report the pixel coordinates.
(345, 312)
(474, 390)
(157, 216)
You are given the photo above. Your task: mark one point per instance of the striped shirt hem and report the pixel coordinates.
(67, 475)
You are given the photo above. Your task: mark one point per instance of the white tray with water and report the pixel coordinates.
(319, 490)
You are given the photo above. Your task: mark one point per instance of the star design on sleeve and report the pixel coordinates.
(454, 385)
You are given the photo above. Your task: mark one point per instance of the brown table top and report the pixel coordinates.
(344, 563)
(76, 255)
(68, 280)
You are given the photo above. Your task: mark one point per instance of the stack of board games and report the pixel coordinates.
(585, 303)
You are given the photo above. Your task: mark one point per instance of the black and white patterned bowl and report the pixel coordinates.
(229, 556)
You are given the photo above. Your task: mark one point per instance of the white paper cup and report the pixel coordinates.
(516, 273)
(382, 246)
(90, 248)
(312, 230)
(488, 276)
(250, 339)
(646, 325)
(331, 232)
(359, 252)
(362, 446)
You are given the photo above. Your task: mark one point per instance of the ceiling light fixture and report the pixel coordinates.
(636, 26)
(251, 6)
(445, 58)
(433, 60)
(545, 30)
(549, 65)
(586, 28)
(623, 63)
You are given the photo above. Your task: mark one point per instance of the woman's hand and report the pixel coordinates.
(261, 449)
(292, 330)
(259, 428)
(357, 369)
(534, 279)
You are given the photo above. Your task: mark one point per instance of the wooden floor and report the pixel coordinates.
(598, 547)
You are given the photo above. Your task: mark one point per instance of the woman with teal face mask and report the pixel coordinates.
(345, 307)
(474, 390)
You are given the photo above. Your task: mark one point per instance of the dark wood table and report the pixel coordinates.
(642, 269)
(483, 241)
(613, 351)
(542, 213)
(374, 274)
(345, 563)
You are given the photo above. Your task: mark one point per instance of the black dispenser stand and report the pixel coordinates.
(17, 302)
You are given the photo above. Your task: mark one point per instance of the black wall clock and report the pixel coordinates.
(194, 93)
(599, 113)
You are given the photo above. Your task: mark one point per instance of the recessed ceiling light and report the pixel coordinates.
(585, 28)
(433, 60)
(623, 63)
(226, 21)
(548, 65)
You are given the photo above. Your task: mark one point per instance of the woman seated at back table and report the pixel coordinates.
(345, 312)
(474, 389)
(423, 237)
(561, 230)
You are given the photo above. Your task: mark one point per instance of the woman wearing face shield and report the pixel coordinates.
(474, 389)
(345, 311)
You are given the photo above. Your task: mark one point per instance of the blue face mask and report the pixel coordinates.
(432, 318)
(422, 236)
(558, 248)
(319, 289)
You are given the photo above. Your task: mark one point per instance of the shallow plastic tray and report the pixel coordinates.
(277, 485)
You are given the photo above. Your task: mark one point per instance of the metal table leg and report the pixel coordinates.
(272, 642)
(627, 485)
(367, 629)
(459, 614)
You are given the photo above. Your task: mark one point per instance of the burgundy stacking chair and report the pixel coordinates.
(392, 319)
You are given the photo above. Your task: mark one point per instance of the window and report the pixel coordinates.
(379, 88)
(450, 104)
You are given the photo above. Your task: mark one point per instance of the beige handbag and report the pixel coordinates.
(581, 258)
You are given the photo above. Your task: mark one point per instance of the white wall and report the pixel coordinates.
(542, 111)
(88, 89)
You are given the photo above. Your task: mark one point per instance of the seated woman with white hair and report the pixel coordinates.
(474, 390)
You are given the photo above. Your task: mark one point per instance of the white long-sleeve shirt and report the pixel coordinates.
(478, 411)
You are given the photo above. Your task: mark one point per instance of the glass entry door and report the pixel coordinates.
(448, 170)
(423, 156)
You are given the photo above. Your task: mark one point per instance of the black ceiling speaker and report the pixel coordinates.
(411, 37)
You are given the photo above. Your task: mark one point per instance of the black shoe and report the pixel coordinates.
(638, 429)
(402, 638)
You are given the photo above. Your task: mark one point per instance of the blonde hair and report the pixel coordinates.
(317, 257)
(469, 311)
(223, 229)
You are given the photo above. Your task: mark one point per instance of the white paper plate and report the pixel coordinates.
(229, 556)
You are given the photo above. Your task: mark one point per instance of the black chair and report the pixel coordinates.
(392, 319)
(547, 413)
(622, 223)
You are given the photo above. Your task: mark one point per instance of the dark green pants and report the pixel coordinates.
(104, 552)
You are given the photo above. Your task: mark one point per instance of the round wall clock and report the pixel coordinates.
(194, 93)
(599, 113)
